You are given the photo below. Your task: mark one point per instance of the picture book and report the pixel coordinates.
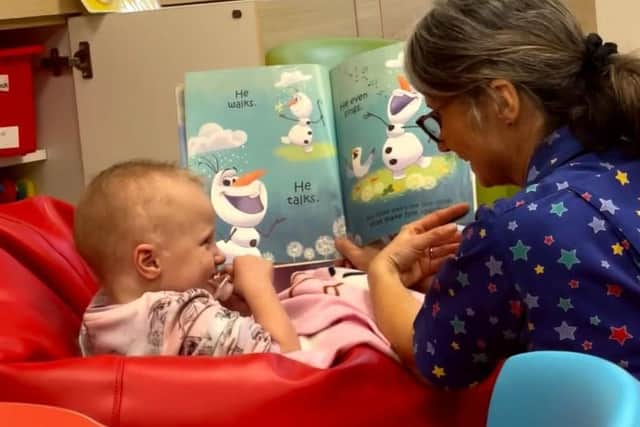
(295, 155)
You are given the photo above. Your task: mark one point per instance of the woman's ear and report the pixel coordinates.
(146, 260)
(508, 100)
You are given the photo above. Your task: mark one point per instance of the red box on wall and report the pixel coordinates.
(17, 108)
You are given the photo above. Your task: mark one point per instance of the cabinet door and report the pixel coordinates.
(399, 17)
(128, 109)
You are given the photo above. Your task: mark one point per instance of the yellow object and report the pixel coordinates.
(105, 6)
(25, 188)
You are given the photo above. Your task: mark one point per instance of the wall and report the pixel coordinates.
(618, 22)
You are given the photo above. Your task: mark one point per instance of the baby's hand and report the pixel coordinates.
(250, 272)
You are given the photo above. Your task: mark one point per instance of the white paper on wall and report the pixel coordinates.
(9, 137)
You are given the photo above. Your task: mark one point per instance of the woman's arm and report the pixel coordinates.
(396, 267)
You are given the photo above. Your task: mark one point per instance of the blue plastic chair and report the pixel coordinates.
(563, 389)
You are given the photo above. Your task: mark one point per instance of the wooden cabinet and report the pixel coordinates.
(128, 110)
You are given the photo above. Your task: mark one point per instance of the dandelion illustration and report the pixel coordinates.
(378, 188)
(339, 227)
(294, 250)
(367, 193)
(309, 254)
(268, 256)
(429, 182)
(325, 246)
(415, 181)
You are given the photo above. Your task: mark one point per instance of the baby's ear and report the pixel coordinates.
(145, 257)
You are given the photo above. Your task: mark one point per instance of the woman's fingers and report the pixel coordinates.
(434, 237)
(443, 250)
(358, 257)
(440, 217)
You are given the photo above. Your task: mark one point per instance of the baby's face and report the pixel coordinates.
(187, 242)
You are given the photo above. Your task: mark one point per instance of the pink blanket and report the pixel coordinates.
(331, 311)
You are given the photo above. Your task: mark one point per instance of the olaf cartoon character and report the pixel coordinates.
(359, 168)
(241, 202)
(301, 108)
(401, 149)
(301, 133)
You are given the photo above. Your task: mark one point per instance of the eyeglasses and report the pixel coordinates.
(430, 124)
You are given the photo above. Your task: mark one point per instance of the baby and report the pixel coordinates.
(147, 231)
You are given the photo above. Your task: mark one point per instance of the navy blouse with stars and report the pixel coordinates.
(556, 267)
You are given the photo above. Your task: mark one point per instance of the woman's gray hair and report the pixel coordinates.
(461, 45)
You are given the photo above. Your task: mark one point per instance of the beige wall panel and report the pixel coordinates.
(289, 20)
(368, 18)
(618, 22)
(399, 17)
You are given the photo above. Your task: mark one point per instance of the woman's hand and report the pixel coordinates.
(421, 247)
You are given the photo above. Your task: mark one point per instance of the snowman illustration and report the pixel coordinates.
(241, 202)
(401, 149)
(301, 107)
(301, 133)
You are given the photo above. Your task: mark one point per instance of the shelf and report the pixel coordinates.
(36, 156)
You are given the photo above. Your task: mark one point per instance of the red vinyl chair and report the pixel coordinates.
(30, 415)
(44, 288)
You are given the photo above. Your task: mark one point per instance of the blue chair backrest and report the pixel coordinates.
(563, 389)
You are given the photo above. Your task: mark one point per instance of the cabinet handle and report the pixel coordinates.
(80, 60)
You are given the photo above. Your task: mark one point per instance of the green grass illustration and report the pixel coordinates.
(296, 153)
(379, 184)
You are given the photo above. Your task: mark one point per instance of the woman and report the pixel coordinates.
(519, 92)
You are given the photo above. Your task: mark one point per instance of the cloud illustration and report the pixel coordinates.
(212, 137)
(289, 78)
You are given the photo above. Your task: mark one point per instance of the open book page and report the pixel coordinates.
(264, 141)
(391, 173)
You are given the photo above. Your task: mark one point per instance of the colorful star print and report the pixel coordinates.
(617, 249)
(622, 178)
(458, 326)
(520, 251)
(531, 301)
(568, 258)
(463, 279)
(597, 225)
(438, 372)
(565, 331)
(565, 304)
(516, 308)
(614, 290)
(621, 335)
(561, 272)
(494, 266)
(558, 209)
(608, 206)
(483, 233)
